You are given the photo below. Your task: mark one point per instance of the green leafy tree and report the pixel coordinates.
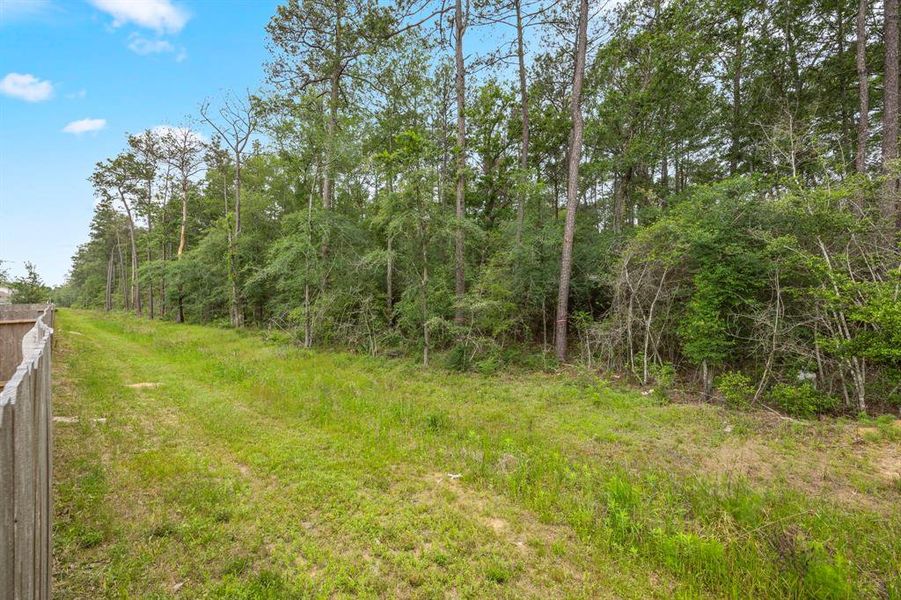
(29, 288)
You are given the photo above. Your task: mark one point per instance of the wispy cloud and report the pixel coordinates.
(143, 46)
(84, 126)
(161, 16)
(25, 86)
(17, 10)
(79, 95)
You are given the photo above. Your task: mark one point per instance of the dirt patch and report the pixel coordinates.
(888, 464)
(482, 506)
(813, 469)
(69, 420)
(748, 459)
(498, 525)
(142, 385)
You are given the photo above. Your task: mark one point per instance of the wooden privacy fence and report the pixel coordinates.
(26, 333)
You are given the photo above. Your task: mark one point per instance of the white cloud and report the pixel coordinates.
(141, 45)
(26, 87)
(178, 132)
(84, 126)
(159, 15)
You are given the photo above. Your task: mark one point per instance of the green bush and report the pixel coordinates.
(736, 389)
(489, 365)
(474, 353)
(800, 400)
(664, 375)
(459, 359)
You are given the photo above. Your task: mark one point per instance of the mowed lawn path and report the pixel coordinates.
(201, 462)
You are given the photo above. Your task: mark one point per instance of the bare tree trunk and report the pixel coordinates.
(150, 251)
(572, 185)
(459, 274)
(182, 243)
(163, 247)
(425, 301)
(863, 89)
(389, 279)
(237, 310)
(126, 305)
(619, 204)
(890, 113)
(761, 386)
(736, 94)
(135, 283)
(183, 231)
(792, 52)
(843, 83)
(110, 272)
(331, 131)
(307, 317)
(331, 128)
(150, 243)
(706, 379)
(135, 286)
(664, 179)
(524, 101)
(620, 192)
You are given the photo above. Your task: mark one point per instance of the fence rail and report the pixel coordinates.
(26, 333)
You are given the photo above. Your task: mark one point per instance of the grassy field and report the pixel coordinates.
(200, 462)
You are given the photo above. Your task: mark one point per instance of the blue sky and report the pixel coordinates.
(99, 69)
(77, 75)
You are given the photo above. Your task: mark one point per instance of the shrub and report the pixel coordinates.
(800, 400)
(736, 389)
(664, 375)
(458, 359)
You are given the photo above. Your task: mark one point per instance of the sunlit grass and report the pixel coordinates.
(248, 469)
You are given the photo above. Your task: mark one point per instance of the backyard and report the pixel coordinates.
(195, 461)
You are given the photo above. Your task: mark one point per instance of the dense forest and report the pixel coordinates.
(702, 193)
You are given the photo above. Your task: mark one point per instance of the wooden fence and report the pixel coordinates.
(26, 333)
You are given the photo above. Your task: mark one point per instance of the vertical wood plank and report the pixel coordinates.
(7, 502)
(48, 467)
(40, 474)
(24, 478)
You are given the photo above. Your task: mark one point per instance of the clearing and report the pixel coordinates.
(201, 462)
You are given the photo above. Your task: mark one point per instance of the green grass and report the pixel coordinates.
(255, 470)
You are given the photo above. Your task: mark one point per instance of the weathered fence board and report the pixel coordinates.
(15, 321)
(25, 459)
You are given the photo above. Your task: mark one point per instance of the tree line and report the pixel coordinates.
(704, 191)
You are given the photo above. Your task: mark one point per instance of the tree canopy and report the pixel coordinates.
(714, 181)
